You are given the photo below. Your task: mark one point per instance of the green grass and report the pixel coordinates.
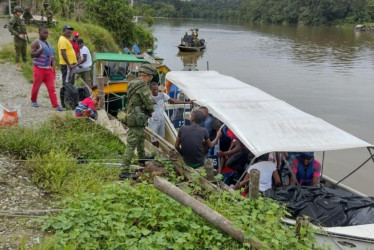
(52, 149)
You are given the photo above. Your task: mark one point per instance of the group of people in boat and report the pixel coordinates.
(208, 137)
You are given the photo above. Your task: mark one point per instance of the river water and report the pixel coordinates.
(324, 71)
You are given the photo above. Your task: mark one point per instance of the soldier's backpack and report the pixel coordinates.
(69, 96)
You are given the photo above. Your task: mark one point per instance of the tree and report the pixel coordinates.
(117, 17)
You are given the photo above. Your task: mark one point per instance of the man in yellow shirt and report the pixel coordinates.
(68, 59)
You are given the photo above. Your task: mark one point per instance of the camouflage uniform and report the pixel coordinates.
(27, 16)
(140, 100)
(49, 16)
(17, 27)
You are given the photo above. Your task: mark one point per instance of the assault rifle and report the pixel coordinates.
(6, 26)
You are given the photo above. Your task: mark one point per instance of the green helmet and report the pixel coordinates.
(147, 69)
(18, 9)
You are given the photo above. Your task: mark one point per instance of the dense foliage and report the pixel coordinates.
(319, 12)
(117, 17)
(124, 216)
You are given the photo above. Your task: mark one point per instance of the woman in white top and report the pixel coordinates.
(268, 171)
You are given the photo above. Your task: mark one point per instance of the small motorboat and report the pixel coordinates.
(191, 42)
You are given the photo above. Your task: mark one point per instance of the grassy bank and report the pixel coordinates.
(51, 151)
(96, 38)
(100, 213)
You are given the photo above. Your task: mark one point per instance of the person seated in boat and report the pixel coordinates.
(268, 173)
(306, 169)
(208, 120)
(88, 107)
(157, 122)
(190, 141)
(234, 160)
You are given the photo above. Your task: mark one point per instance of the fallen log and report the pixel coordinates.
(204, 211)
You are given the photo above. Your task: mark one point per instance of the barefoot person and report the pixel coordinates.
(44, 69)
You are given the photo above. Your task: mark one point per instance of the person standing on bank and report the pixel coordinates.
(68, 59)
(139, 109)
(84, 62)
(157, 121)
(44, 69)
(18, 29)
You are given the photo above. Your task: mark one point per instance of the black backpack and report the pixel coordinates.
(83, 93)
(69, 96)
(325, 212)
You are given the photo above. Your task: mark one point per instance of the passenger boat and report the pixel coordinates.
(266, 124)
(191, 42)
(111, 71)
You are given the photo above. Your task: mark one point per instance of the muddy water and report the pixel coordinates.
(325, 71)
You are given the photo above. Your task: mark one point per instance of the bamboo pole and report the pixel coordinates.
(204, 211)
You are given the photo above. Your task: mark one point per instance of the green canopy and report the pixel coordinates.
(117, 57)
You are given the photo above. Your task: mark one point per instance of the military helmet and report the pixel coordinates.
(18, 9)
(147, 69)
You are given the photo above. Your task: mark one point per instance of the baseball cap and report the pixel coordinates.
(307, 155)
(76, 33)
(67, 27)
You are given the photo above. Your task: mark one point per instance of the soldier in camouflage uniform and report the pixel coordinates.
(139, 109)
(18, 29)
(49, 15)
(27, 16)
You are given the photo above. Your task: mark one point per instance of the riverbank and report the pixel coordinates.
(15, 89)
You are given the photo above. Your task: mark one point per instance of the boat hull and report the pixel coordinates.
(190, 49)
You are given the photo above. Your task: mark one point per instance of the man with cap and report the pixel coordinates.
(68, 58)
(75, 44)
(84, 62)
(18, 29)
(139, 108)
(307, 170)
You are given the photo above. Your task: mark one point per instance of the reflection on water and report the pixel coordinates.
(190, 59)
(325, 71)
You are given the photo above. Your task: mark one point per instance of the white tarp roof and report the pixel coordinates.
(262, 122)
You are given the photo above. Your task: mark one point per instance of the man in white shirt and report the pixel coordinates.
(268, 171)
(84, 63)
(157, 122)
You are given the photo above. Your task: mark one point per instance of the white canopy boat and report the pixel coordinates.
(266, 124)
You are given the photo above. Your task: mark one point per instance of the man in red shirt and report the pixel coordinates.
(75, 44)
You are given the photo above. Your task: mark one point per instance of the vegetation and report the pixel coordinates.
(320, 12)
(51, 152)
(117, 17)
(101, 214)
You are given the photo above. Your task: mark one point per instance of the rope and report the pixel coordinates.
(371, 157)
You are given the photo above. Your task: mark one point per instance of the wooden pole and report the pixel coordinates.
(204, 211)
(209, 170)
(100, 90)
(254, 184)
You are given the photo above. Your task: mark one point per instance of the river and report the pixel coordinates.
(324, 71)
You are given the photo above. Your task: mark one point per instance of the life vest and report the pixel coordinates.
(305, 176)
(45, 60)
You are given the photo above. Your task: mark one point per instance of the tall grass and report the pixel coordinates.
(51, 150)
